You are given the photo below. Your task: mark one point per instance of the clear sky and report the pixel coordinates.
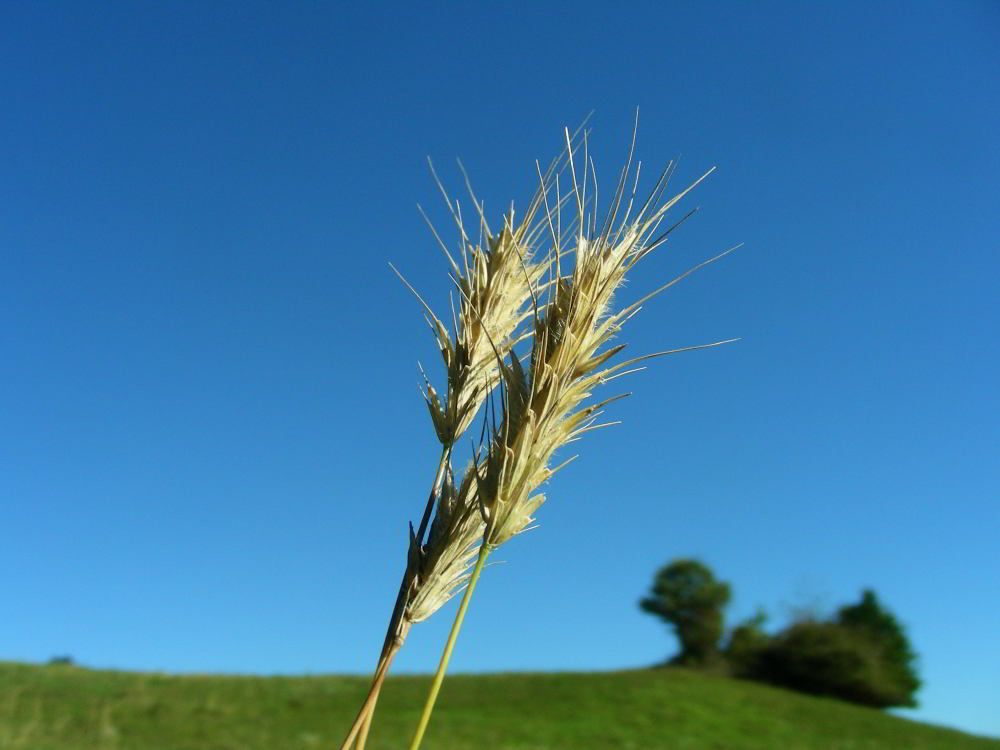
(211, 438)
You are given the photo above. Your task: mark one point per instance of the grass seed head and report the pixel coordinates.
(442, 565)
(542, 407)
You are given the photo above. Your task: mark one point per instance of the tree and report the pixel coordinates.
(870, 620)
(687, 595)
(862, 655)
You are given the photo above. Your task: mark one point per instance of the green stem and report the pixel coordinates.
(425, 717)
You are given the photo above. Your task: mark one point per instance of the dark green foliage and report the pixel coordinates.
(868, 619)
(746, 643)
(861, 656)
(686, 594)
(825, 658)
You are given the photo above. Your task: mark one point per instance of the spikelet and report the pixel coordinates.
(494, 283)
(444, 561)
(542, 407)
(494, 294)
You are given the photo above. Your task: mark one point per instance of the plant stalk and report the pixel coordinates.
(369, 705)
(396, 631)
(367, 724)
(425, 717)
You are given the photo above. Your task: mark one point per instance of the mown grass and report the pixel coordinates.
(69, 708)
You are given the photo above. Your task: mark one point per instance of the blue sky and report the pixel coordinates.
(211, 438)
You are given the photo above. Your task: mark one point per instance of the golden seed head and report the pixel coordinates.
(541, 406)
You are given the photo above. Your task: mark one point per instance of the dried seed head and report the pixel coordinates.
(442, 568)
(494, 303)
(541, 409)
(495, 279)
(542, 412)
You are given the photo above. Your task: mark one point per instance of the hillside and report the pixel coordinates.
(69, 708)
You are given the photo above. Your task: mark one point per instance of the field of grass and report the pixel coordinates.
(69, 708)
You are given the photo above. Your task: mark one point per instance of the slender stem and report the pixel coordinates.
(369, 705)
(425, 717)
(367, 724)
(395, 632)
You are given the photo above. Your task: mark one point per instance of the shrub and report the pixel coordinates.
(861, 656)
(870, 620)
(746, 643)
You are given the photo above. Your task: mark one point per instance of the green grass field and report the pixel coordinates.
(69, 708)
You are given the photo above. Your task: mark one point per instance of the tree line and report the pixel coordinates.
(861, 654)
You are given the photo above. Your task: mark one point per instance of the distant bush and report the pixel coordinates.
(861, 656)
(61, 660)
(870, 620)
(745, 645)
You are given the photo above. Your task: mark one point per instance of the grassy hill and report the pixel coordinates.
(69, 708)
